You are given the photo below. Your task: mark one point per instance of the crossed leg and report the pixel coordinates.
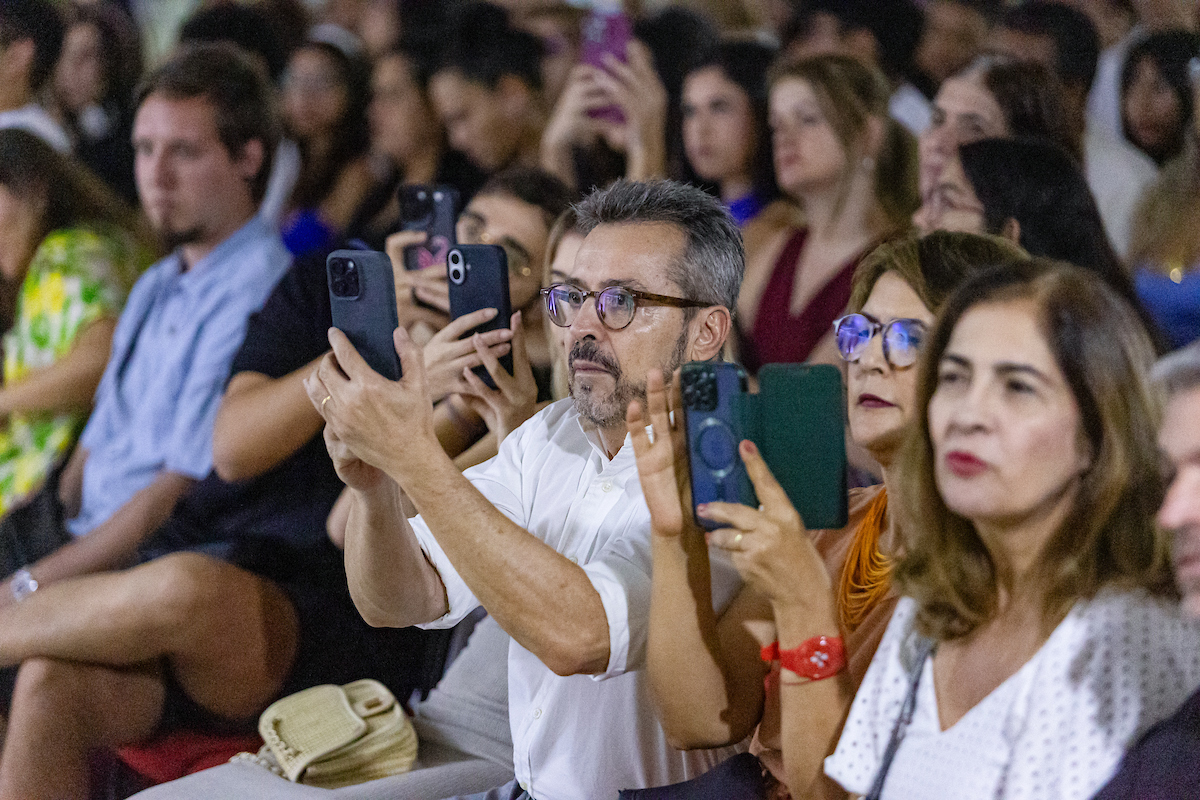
(89, 651)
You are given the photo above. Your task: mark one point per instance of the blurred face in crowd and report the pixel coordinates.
(606, 369)
(952, 204)
(1004, 423)
(882, 397)
(379, 26)
(964, 111)
(314, 94)
(1180, 512)
(718, 128)
(192, 189)
(808, 155)
(1151, 110)
(485, 124)
(79, 76)
(402, 122)
(520, 228)
(19, 223)
(952, 37)
(1021, 46)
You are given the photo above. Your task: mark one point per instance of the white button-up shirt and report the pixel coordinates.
(584, 736)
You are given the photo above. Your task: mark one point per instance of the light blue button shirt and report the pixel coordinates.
(172, 349)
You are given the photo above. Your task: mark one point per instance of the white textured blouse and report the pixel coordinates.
(1056, 729)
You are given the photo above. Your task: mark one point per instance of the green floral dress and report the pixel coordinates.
(77, 276)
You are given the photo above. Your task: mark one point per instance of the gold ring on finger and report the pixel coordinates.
(738, 539)
(326, 400)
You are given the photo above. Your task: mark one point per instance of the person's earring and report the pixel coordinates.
(526, 272)
(867, 164)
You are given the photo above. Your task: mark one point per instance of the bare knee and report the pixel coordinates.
(183, 590)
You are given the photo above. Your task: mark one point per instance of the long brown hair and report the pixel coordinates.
(65, 194)
(1108, 536)
(850, 95)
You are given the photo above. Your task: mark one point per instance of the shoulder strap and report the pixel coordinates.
(923, 648)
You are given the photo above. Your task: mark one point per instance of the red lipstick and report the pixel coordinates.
(963, 464)
(874, 401)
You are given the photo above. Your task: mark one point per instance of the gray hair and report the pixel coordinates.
(1178, 371)
(713, 261)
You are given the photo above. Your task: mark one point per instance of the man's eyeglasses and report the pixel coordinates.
(902, 338)
(615, 305)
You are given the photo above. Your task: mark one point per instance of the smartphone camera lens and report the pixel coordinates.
(416, 206)
(343, 278)
(455, 267)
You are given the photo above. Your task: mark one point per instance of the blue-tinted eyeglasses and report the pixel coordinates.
(902, 338)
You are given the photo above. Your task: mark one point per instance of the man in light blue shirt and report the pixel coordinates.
(112, 646)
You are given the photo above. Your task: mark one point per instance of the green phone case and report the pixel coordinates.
(798, 421)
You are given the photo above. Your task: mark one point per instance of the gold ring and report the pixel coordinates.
(326, 400)
(738, 539)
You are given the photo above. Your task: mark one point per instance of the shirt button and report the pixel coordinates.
(537, 713)
(607, 486)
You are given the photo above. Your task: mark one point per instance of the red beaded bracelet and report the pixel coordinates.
(816, 659)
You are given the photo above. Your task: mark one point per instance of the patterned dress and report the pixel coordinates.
(77, 276)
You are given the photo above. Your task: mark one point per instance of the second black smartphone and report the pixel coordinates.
(362, 298)
(433, 209)
(478, 275)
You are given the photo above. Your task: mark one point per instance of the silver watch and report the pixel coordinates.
(23, 584)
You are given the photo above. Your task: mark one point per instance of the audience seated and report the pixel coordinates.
(1037, 637)
(564, 568)
(92, 89)
(1164, 763)
(789, 594)
(853, 171)
(32, 34)
(951, 38)
(74, 251)
(325, 94)
(487, 89)
(1031, 192)
(883, 34)
(1064, 41)
(727, 138)
(203, 135)
(409, 141)
(1156, 93)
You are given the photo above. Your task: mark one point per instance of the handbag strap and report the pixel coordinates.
(923, 648)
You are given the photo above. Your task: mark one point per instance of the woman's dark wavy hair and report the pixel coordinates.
(1040, 185)
(1108, 537)
(1170, 51)
(352, 133)
(747, 63)
(1030, 98)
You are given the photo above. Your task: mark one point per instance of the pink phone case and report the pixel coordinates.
(605, 32)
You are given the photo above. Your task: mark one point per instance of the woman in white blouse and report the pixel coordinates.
(1034, 568)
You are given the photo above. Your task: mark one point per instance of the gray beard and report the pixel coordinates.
(608, 411)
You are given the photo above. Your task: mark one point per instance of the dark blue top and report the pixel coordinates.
(745, 208)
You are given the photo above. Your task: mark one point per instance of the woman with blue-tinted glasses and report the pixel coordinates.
(815, 603)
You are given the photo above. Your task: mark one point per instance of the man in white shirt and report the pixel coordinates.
(31, 37)
(552, 536)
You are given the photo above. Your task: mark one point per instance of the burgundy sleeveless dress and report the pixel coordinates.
(778, 336)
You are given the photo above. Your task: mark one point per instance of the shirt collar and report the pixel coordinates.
(254, 229)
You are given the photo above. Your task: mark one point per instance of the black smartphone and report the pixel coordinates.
(797, 419)
(433, 209)
(478, 275)
(362, 297)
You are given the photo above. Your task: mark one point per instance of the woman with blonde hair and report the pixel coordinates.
(1038, 635)
(854, 172)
